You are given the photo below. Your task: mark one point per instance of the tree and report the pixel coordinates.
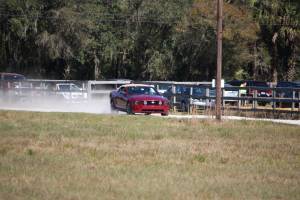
(196, 41)
(279, 22)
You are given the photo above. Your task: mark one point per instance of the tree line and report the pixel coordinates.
(149, 40)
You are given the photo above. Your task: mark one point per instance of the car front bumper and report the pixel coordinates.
(150, 108)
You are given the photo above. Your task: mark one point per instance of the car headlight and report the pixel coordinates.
(167, 103)
(138, 102)
(195, 100)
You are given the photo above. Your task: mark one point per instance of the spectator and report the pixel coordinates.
(243, 92)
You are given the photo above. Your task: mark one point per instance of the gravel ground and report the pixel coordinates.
(292, 122)
(103, 110)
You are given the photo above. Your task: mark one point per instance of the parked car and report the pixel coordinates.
(9, 84)
(70, 93)
(262, 87)
(285, 89)
(8, 80)
(139, 98)
(199, 97)
(230, 93)
(162, 88)
(182, 93)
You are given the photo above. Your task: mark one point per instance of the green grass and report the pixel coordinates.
(82, 156)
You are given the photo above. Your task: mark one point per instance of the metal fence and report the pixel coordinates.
(289, 98)
(280, 100)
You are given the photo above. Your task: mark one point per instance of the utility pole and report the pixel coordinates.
(219, 59)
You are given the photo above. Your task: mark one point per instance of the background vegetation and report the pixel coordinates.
(149, 40)
(83, 156)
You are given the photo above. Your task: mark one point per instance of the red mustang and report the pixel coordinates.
(138, 98)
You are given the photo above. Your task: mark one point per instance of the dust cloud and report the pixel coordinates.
(46, 103)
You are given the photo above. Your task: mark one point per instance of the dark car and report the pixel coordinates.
(8, 80)
(139, 98)
(261, 87)
(69, 92)
(286, 89)
(199, 99)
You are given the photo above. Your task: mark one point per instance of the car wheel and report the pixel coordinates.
(262, 103)
(184, 107)
(112, 106)
(165, 114)
(129, 109)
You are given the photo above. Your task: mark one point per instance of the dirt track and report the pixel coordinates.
(104, 108)
(292, 122)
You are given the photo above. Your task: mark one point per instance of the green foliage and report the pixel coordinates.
(85, 156)
(199, 158)
(279, 21)
(148, 40)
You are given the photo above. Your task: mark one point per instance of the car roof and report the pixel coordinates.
(14, 75)
(235, 82)
(7, 73)
(288, 84)
(137, 85)
(65, 84)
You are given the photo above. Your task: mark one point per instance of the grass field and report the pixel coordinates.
(84, 156)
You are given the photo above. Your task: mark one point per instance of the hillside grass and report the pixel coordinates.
(83, 156)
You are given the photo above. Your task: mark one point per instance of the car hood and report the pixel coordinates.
(147, 97)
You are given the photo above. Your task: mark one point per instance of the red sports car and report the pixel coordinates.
(138, 98)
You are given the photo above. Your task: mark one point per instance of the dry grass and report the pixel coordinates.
(81, 156)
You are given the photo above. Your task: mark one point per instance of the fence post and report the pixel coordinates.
(254, 101)
(89, 90)
(273, 101)
(206, 96)
(174, 97)
(293, 103)
(157, 87)
(239, 101)
(222, 97)
(299, 100)
(190, 100)
(298, 103)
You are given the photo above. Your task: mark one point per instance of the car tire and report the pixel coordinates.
(113, 108)
(112, 104)
(165, 114)
(184, 107)
(128, 109)
(262, 103)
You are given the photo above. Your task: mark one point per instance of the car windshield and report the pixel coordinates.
(199, 91)
(260, 84)
(13, 77)
(75, 88)
(69, 87)
(64, 87)
(288, 84)
(142, 90)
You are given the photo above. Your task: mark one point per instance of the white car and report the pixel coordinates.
(71, 92)
(230, 93)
